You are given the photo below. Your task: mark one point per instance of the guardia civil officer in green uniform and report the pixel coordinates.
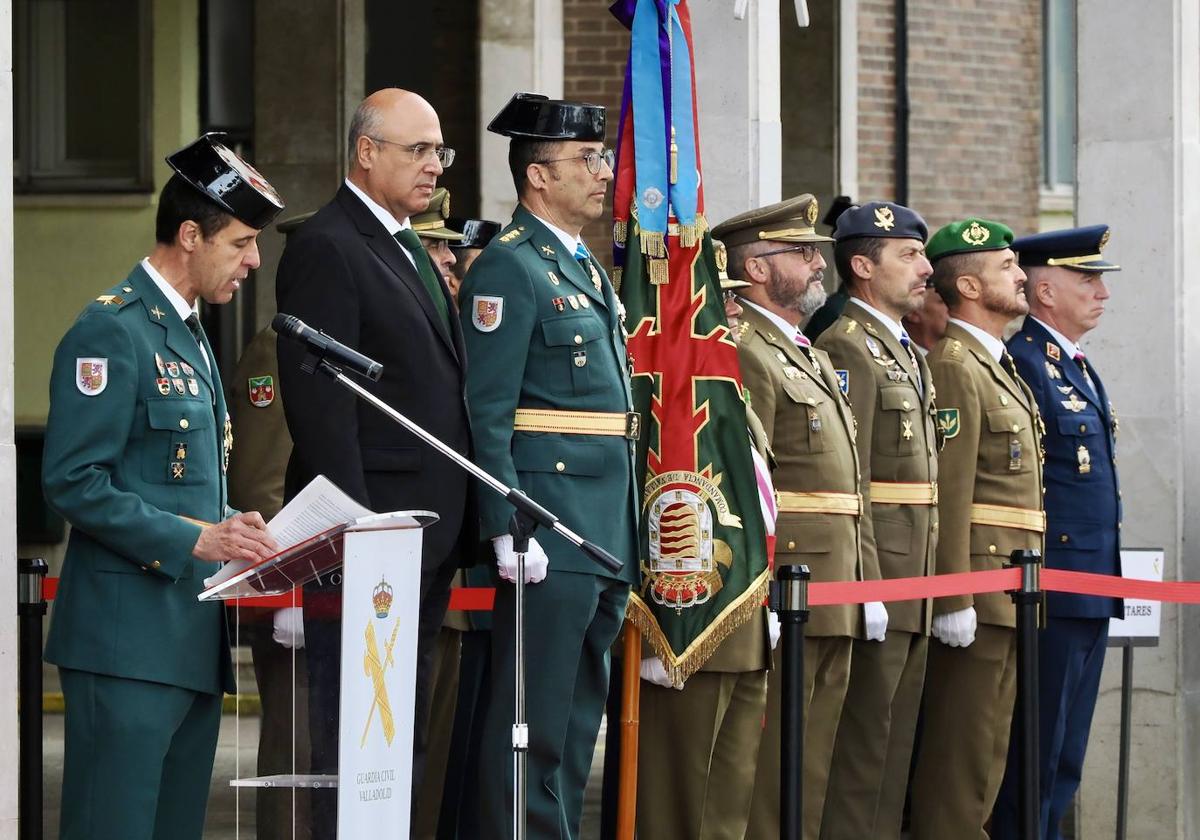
(548, 391)
(880, 255)
(795, 392)
(697, 743)
(989, 505)
(137, 443)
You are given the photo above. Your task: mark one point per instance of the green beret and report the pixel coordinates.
(968, 236)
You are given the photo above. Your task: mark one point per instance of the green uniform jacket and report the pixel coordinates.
(897, 444)
(992, 457)
(533, 343)
(258, 465)
(124, 466)
(810, 427)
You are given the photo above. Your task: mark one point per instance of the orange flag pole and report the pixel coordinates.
(631, 690)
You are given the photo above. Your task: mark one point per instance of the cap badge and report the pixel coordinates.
(976, 234)
(722, 259)
(446, 206)
(885, 218)
(1103, 241)
(811, 212)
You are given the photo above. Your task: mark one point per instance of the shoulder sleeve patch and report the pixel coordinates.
(948, 422)
(843, 380)
(487, 311)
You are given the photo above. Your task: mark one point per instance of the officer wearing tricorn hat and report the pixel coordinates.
(550, 408)
(796, 394)
(137, 442)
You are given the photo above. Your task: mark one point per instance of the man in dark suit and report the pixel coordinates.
(1066, 293)
(137, 444)
(356, 270)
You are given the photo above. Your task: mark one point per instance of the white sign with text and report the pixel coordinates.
(1142, 618)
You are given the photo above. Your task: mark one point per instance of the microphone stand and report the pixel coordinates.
(525, 520)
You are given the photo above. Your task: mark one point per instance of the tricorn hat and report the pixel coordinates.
(476, 233)
(531, 116)
(228, 181)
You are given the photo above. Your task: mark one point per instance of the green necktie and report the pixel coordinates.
(412, 243)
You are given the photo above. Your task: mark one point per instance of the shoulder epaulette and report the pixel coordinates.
(115, 298)
(512, 236)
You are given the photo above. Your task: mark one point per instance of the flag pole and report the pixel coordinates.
(631, 690)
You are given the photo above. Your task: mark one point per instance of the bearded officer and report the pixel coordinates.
(989, 505)
(1067, 294)
(137, 442)
(549, 397)
(695, 776)
(795, 392)
(880, 255)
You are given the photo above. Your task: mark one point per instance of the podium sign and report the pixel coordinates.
(1142, 620)
(379, 648)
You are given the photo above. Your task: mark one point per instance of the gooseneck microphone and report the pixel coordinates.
(327, 348)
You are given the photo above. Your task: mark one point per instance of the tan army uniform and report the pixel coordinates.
(695, 759)
(989, 504)
(897, 446)
(808, 422)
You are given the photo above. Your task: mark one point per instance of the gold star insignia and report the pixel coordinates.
(157, 313)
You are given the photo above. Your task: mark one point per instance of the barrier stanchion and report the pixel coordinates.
(789, 597)
(31, 606)
(1028, 600)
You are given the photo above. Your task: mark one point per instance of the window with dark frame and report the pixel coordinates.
(82, 76)
(1058, 94)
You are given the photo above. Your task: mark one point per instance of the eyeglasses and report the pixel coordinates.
(807, 252)
(422, 152)
(590, 159)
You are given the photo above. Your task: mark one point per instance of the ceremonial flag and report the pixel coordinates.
(702, 544)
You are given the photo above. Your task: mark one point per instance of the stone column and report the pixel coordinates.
(8, 452)
(1138, 151)
(302, 110)
(737, 74)
(520, 49)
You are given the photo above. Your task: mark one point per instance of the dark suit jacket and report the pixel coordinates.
(1083, 499)
(342, 272)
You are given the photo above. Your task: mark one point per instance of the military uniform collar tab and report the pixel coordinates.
(884, 320)
(569, 243)
(168, 291)
(1070, 348)
(993, 346)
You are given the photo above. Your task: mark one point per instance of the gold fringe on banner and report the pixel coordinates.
(654, 244)
(620, 231)
(688, 236)
(691, 660)
(659, 271)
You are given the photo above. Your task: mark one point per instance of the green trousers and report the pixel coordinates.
(571, 622)
(695, 756)
(138, 758)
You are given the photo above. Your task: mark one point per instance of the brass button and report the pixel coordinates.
(934, 527)
(1063, 538)
(1082, 428)
(812, 401)
(154, 564)
(127, 289)
(560, 466)
(791, 545)
(183, 424)
(1003, 400)
(906, 404)
(1016, 428)
(991, 549)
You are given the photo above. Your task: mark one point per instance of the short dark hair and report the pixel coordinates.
(180, 202)
(521, 153)
(845, 250)
(948, 269)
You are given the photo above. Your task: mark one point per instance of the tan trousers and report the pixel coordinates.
(874, 745)
(695, 756)
(826, 677)
(969, 694)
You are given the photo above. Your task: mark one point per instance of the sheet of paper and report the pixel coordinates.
(318, 507)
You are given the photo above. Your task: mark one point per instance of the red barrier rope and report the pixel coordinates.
(480, 599)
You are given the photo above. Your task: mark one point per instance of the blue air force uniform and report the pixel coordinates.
(1083, 512)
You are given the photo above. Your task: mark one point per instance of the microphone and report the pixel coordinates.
(328, 349)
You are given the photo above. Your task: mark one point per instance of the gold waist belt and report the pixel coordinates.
(1009, 517)
(619, 424)
(904, 492)
(846, 504)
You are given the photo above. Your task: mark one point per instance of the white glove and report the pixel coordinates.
(773, 628)
(536, 562)
(956, 629)
(653, 671)
(875, 615)
(289, 627)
